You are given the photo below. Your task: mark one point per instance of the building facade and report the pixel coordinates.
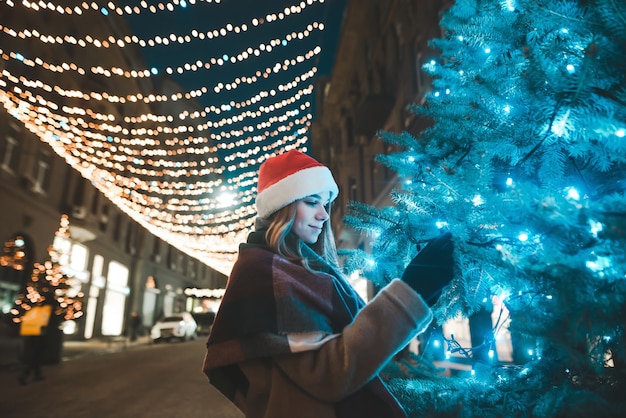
(376, 74)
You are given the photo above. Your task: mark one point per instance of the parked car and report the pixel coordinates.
(204, 321)
(180, 326)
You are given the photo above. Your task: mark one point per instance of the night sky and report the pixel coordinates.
(204, 17)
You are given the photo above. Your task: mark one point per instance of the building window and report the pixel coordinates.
(156, 250)
(117, 227)
(352, 189)
(95, 203)
(104, 218)
(115, 299)
(171, 258)
(9, 155)
(41, 172)
(374, 177)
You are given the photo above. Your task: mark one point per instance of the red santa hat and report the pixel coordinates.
(287, 177)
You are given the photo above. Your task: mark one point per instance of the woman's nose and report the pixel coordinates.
(322, 213)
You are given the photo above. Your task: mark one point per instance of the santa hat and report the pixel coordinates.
(288, 177)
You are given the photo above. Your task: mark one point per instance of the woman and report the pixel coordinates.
(292, 338)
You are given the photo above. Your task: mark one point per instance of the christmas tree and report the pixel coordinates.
(525, 164)
(51, 285)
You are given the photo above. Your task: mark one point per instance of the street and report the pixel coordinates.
(161, 380)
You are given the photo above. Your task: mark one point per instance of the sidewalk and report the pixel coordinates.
(10, 348)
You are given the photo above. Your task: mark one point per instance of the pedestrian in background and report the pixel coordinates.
(33, 330)
(292, 338)
(135, 325)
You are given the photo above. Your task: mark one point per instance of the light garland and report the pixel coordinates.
(110, 6)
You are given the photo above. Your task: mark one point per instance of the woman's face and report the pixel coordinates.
(311, 213)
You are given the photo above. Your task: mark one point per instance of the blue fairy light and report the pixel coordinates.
(599, 264)
(620, 133)
(595, 227)
(154, 71)
(104, 11)
(572, 193)
(570, 68)
(430, 66)
(441, 224)
(523, 236)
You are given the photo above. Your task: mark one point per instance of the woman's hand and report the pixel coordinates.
(431, 269)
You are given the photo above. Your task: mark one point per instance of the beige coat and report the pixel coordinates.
(308, 384)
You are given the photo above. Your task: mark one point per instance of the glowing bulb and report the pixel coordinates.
(620, 133)
(478, 200)
(595, 227)
(572, 193)
(523, 236)
(441, 224)
(509, 181)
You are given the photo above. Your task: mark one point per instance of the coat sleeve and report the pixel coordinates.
(345, 363)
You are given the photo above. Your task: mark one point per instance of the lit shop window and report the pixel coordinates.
(115, 299)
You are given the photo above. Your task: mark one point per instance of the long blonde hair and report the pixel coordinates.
(283, 242)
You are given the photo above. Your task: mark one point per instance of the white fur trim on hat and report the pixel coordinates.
(303, 183)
